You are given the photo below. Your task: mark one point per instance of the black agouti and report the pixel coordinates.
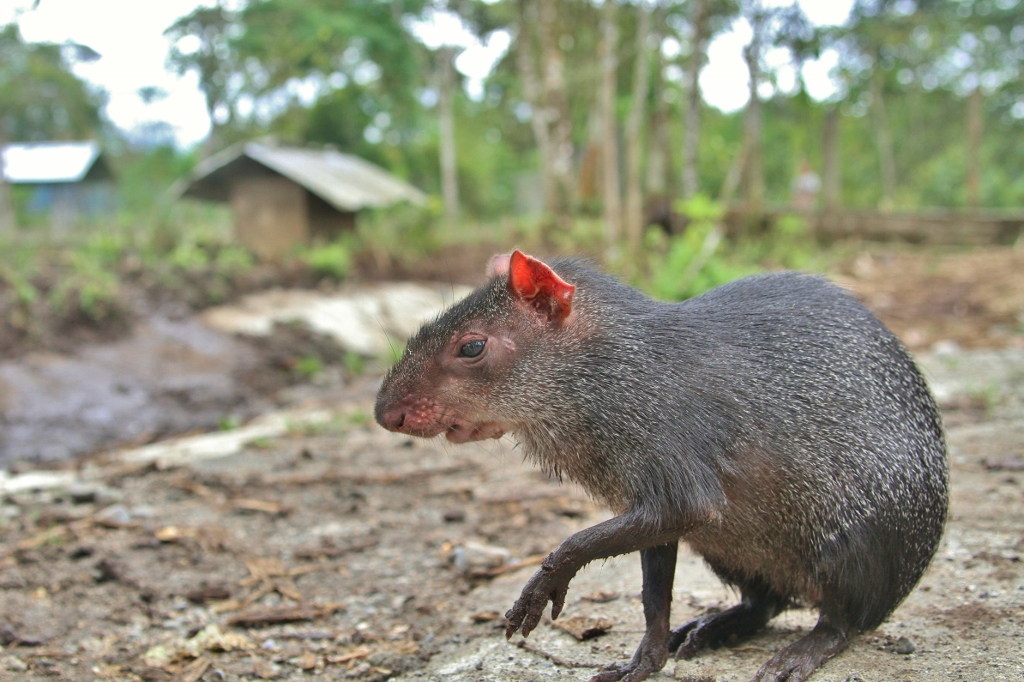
(773, 424)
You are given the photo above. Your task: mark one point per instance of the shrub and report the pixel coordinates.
(332, 260)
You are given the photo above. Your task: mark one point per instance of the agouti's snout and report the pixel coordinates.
(426, 418)
(392, 419)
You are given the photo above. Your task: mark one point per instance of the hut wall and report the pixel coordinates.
(325, 222)
(271, 215)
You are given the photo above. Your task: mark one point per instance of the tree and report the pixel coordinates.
(256, 64)
(659, 146)
(753, 53)
(877, 45)
(355, 74)
(526, 66)
(556, 108)
(637, 115)
(701, 22)
(772, 27)
(980, 45)
(830, 164)
(41, 99)
(449, 178)
(609, 133)
(201, 42)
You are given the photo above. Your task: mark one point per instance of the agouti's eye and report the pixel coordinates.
(472, 349)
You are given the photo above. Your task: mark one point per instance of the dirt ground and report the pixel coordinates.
(329, 549)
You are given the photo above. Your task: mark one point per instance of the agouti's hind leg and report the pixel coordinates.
(659, 566)
(759, 605)
(797, 661)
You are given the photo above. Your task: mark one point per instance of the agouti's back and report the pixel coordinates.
(777, 423)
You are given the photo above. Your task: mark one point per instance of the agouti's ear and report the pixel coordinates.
(498, 265)
(538, 285)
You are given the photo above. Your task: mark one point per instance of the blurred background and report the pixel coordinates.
(164, 163)
(221, 220)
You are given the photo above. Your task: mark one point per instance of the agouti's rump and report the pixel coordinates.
(773, 424)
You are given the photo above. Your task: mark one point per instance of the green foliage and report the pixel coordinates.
(701, 258)
(228, 423)
(669, 266)
(189, 250)
(332, 260)
(189, 256)
(788, 244)
(584, 234)
(261, 443)
(370, 93)
(360, 418)
(40, 97)
(212, 59)
(232, 260)
(404, 230)
(688, 265)
(316, 427)
(358, 56)
(309, 366)
(700, 210)
(102, 250)
(143, 179)
(89, 284)
(989, 396)
(24, 291)
(354, 363)
(391, 356)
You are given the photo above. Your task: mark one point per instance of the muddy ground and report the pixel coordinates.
(325, 548)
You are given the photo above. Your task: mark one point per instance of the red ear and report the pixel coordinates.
(538, 285)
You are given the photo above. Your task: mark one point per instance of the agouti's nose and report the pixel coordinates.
(393, 419)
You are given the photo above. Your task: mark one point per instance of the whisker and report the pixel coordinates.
(387, 337)
(451, 282)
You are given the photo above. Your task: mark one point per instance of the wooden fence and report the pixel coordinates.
(936, 227)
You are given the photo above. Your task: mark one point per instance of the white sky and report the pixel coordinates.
(129, 36)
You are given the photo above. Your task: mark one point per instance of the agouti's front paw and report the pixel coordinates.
(545, 585)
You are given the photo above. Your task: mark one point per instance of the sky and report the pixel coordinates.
(128, 34)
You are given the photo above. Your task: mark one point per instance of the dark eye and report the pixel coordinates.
(472, 349)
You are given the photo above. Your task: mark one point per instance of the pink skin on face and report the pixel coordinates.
(425, 418)
(541, 295)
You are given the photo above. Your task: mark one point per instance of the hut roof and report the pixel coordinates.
(53, 162)
(347, 182)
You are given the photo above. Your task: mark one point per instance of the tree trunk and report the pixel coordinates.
(606, 104)
(527, 67)
(8, 219)
(830, 161)
(658, 159)
(717, 232)
(449, 170)
(754, 175)
(975, 104)
(883, 136)
(634, 135)
(556, 104)
(691, 181)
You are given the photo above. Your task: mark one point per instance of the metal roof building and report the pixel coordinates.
(44, 163)
(286, 196)
(70, 180)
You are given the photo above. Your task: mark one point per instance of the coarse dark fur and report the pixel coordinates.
(775, 421)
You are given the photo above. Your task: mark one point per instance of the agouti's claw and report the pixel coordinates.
(526, 613)
(514, 621)
(558, 601)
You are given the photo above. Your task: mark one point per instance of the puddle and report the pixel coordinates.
(366, 322)
(168, 377)
(175, 376)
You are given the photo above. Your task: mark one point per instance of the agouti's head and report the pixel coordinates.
(462, 374)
